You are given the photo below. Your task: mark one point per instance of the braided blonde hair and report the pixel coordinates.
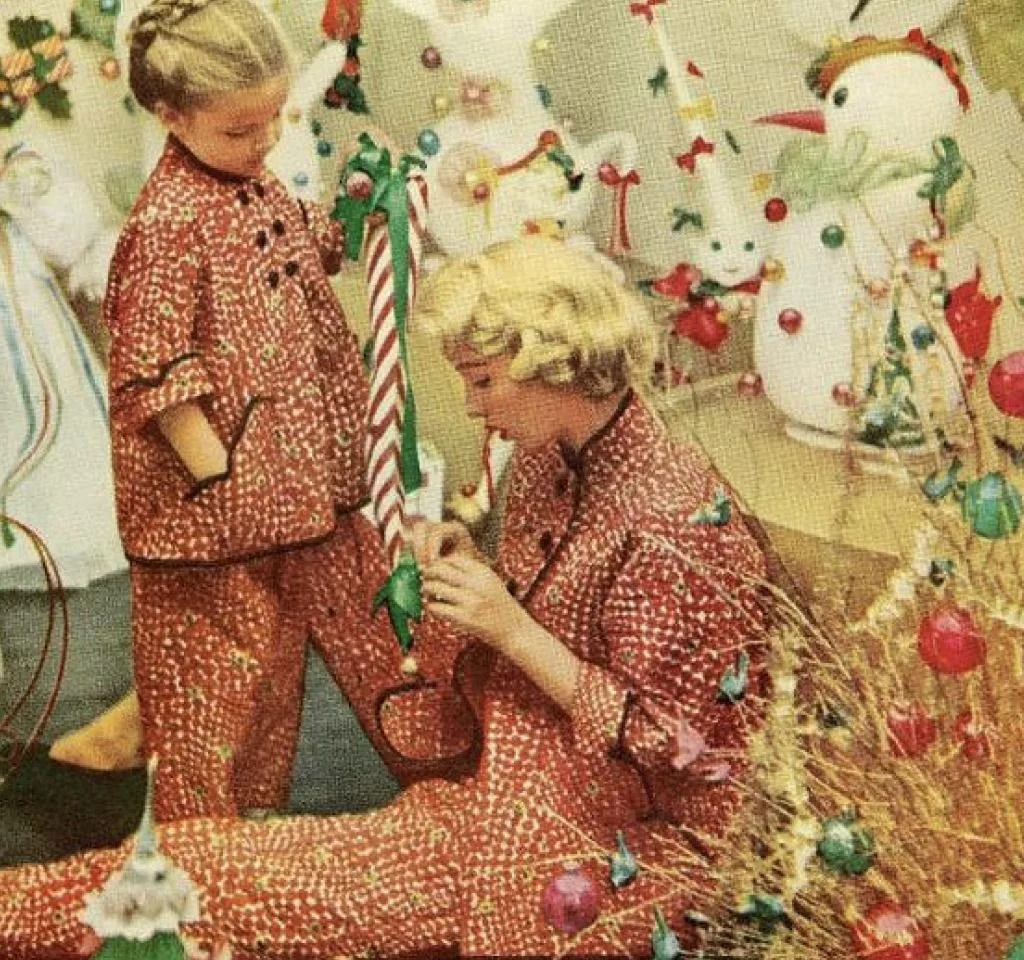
(184, 53)
(562, 317)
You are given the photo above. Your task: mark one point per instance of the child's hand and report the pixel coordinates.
(431, 541)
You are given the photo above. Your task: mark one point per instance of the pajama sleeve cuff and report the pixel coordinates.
(599, 711)
(135, 402)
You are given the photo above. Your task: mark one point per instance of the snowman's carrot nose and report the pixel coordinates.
(811, 120)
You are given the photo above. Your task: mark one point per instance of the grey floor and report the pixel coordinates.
(48, 810)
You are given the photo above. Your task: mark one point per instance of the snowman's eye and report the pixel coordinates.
(716, 245)
(748, 246)
(840, 96)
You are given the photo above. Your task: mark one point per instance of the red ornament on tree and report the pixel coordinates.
(949, 642)
(571, 901)
(911, 730)
(1006, 384)
(969, 314)
(972, 737)
(358, 185)
(888, 932)
(677, 284)
(775, 210)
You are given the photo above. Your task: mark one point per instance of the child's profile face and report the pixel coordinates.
(233, 133)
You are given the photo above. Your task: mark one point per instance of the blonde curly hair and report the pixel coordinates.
(561, 315)
(185, 53)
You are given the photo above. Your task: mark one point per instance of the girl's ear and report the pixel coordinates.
(171, 118)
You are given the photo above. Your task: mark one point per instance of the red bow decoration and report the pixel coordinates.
(747, 286)
(610, 176)
(969, 315)
(688, 161)
(693, 70)
(645, 9)
(342, 19)
(677, 284)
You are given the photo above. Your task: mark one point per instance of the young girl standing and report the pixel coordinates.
(237, 415)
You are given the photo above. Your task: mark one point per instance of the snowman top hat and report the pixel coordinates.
(827, 68)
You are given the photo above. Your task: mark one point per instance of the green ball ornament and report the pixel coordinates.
(845, 846)
(992, 506)
(833, 236)
(429, 143)
(1016, 951)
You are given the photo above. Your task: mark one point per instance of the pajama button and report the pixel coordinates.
(257, 188)
(273, 278)
(262, 239)
(243, 197)
(278, 227)
(291, 268)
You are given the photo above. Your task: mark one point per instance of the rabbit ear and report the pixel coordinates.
(317, 76)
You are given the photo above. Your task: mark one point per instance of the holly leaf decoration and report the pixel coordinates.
(402, 594)
(949, 168)
(716, 513)
(765, 911)
(623, 863)
(733, 686)
(665, 944)
(161, 946)
(686, 218)
(26, 32)
(659, 82)
(55, 101)
(91, 22)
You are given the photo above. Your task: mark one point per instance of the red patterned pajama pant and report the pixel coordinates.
(301, 888)
(220, 658)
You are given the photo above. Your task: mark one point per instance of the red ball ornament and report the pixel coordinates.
(110, 69)
(481, 192)
(949, 642)
(888, 932)
(791, 320)
(911, 730)
(1006, 384)
(571, 901)
(775, 210)
(972, 737)
(358, 185)
(431, 58)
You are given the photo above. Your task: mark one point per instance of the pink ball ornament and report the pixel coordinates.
(358, 185)
(843, 395)
(750, 384)
(1006, 384)
(571, 901)
(949, 642)
(481, 192)
(431, 58)
(888, 932)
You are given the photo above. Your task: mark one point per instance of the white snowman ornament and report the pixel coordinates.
(498, 163)
(856, 214)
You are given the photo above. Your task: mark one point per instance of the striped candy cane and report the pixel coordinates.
(389, 392)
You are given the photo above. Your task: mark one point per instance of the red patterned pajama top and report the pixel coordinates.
(218, 294)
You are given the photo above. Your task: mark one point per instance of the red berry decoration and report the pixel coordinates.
(911, 730)
(571, 901)
(972, 737)
(949, 642)
(481, 192)
(607, 174)
(775, 210)
(791, 320)
(358, 185)
(888, 932)
(1006, 384)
